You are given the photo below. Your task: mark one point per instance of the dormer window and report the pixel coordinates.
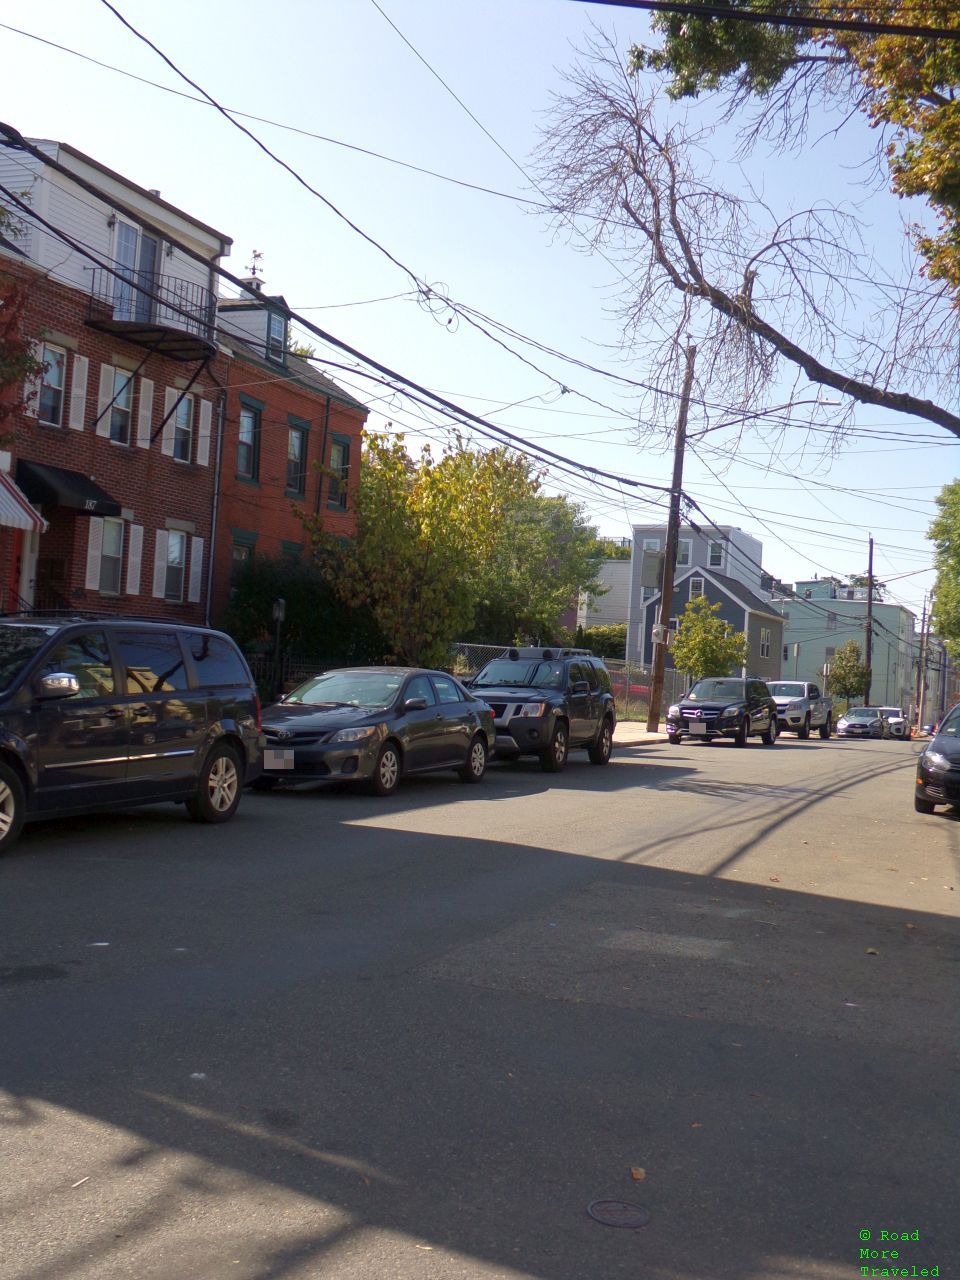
(276, 337)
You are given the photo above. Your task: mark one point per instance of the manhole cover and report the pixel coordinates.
(618, 1213)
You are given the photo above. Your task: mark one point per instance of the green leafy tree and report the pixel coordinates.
(543, 555)
(17, 362)
(606, 640)
(705, 644)
(317, 623)
(945, 536)
(848, 674)
(426, 529)
(863, 580)
(906, 86)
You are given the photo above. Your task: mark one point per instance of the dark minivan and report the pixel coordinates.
(100, 712)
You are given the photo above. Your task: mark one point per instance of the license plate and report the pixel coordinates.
(278, 759)
(697, 726)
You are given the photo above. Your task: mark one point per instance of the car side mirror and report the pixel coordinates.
(415, 704)
(580, 686)
(59, 684)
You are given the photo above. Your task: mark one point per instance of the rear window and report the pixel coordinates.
(217, 661)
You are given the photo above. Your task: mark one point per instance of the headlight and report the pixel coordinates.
(795, 705)
(354, 735)
(673, 713)
(729, 713)
(934, 760)
(841, 723)
(534, 709)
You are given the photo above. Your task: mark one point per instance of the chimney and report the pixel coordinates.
(153, 191)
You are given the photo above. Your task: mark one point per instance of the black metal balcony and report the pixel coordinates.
(173, 317)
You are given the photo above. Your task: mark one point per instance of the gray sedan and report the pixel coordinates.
(375, 724)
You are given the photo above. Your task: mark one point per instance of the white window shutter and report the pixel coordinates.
(31, 385)
(160, 565)
(134, 557)
(196, 570)
(170, 398)
(78, 392)
(94, 548)
(103, 399)
(203, 440)
(145, 414)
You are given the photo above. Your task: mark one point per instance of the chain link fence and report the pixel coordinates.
(631, 688)
(467, 659)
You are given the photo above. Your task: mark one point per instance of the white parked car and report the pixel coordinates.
(896, 721)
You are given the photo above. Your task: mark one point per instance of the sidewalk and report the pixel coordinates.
(631, 733)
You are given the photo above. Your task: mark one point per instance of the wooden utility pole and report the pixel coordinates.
(670, 550)
(868, 639)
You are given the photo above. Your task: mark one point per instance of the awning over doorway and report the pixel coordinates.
(15, 509)
(58, 487)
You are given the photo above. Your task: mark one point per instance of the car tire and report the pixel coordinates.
(804, 731)
(826, 728)
(218, 786)
(922, 806)
(387, 770)
(13, 806)
(769, 736)
(601, 749)
(554, 758)
(674, 739)
(742, 733)
(476, 763)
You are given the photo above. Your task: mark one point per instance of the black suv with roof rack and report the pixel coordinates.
(545, 701)
(97, 712)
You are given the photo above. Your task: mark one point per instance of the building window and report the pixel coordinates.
(111, 556)
(786, 652)
(296, 460)
(651, 544)
(764, 642)
(248, 444)
(50, 408)
(240, 557)
(716, 555)
(831, 622)
(696, 588)
(121, 411)
(276, 337)
(339, 471)
(829, 652)
(176, 564)
(683, 553)
(183, 429)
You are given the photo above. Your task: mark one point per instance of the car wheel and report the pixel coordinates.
(476, 764)
(218, 787)
(804, 731)
(826, 729)
(386, 772)
(769, 736)
(555, 757)
(922, 806)
(674, 739)
(742, 733)
(601, 748)
(13, 804)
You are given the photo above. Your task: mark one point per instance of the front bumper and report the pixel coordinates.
(791, 720)
(938, 786)
(523, 735)
(848, 732)
(702, 729)
(344, 761)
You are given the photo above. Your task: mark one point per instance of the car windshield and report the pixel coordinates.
(520, 674)
(706, 690)
(891, 713)
(348, 689)
(950, 724)
(786, 689)
(18, 644)
(861, 713)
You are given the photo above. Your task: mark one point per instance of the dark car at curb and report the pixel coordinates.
(938, 767)
(546, 701)
(98, 712)
(724, 707)
(375, 725)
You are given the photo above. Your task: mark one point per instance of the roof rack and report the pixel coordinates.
(94, 615)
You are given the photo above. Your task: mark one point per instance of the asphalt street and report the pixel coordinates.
(344, 1037)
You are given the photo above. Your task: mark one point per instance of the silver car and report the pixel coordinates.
(862, 722)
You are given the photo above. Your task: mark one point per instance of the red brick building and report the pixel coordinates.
(291, 439)
(107, 494)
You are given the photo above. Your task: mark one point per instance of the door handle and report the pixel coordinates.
(114, 713)
(142, 710)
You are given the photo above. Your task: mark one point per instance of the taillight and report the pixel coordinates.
(257, 699)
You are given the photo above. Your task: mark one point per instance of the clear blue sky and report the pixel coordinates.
(341, 71)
